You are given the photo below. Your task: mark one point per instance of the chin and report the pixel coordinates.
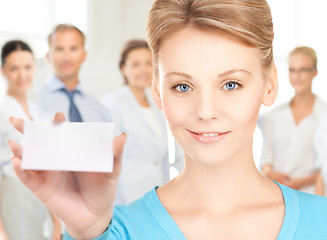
(209, 158)
(300, 90)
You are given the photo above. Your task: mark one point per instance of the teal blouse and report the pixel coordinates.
(147, 219)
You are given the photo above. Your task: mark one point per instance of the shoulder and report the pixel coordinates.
(313, 216)
(9, 106)
(323, 115)
(278, 109)
(117, 98)
(92, 101)
(136, 220)
(4, 119)
(270, 116)
(34, 110)
(313, 205)
(44, 90)
(306, 213)
(320, 105)
(322, 122)
(135, 211)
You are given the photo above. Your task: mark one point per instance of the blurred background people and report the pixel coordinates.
(145, 158)
(22, 214)
(288, 155)
(320, 144)
(63, 92)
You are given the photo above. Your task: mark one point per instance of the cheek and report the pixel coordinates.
(80, 58)
(12, 77)
(30, 76)
(250, 111)
(128, 72)
(56, 59)
(177, 110)
(244, 111)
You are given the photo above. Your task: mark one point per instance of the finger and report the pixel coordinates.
(16, 148)
(29, 178)
(118, 147)
(17, 165)
(59, 117)
(17, 123)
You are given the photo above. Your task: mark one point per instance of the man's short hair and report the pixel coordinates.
(65, 27)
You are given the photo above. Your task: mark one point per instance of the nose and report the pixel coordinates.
(206, 106)
(294, 74)
(67, 55)
(21, 74)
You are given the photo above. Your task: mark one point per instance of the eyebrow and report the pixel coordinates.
(178, 74)
(220, 75)
(234, 71)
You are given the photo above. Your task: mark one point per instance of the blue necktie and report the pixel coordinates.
(74, 115)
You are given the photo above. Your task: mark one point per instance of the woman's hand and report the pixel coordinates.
(82, 200)
(56, 228)
(3, 234)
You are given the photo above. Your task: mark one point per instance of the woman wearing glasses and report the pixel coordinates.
(288, 154)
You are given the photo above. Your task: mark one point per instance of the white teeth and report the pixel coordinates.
(209, 134)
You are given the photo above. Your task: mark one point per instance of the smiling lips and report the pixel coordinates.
(208, 137)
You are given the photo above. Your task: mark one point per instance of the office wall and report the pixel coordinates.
(110, 25)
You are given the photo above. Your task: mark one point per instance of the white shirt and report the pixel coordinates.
(145, 157)
(51, 99)
(320, 144)
(153, 121)
(9, 106)
(289, 147)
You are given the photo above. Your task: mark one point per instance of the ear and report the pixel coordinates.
(48, 56)
(156, 93)
(122, 69)
(315, 73)
(3, 71)
(85, 55)
(271, 87)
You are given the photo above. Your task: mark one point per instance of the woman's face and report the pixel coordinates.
(211, 90)
(301, 72)
(138, 68)
(19, 71)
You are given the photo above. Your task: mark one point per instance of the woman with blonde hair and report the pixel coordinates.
(213, 65)
(288, 155)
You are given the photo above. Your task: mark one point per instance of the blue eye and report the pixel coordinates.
(183, 88)
(231, 85)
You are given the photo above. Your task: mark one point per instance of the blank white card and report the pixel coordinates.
(85, 147)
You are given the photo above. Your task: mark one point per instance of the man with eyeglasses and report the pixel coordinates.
(288, 155)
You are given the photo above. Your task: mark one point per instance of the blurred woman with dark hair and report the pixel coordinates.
(21, 213)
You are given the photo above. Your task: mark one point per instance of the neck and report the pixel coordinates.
(21, 98)
(139, 94)
(70, 82)
(303, 99)
(229, 183)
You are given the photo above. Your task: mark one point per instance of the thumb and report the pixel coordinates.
(118, 147)
(17, 123)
